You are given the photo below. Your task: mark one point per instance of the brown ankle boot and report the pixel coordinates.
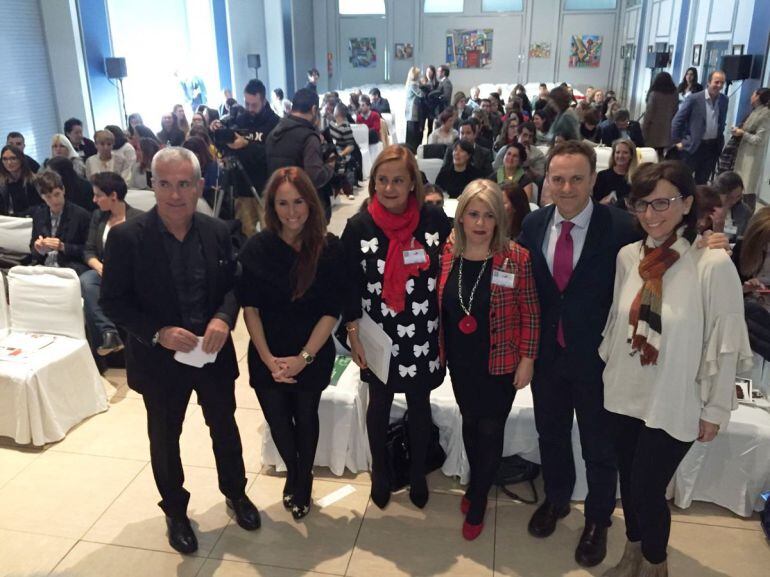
(653, 569)
(630, 562)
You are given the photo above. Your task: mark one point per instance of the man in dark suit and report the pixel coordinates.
(573, 245)
(168, 281)
(59, 227)
(698, 127)
(379, 104)
(621, 126)
(482, 157)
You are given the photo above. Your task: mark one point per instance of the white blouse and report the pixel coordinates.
(704, 342)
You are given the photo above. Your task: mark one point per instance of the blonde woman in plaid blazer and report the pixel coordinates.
(490, 327)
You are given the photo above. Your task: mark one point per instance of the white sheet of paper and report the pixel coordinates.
(377, 347)
(450, 207)
(196, 357)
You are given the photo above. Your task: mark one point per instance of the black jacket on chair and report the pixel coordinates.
(138, 294)
(585, 303)
(72, 231)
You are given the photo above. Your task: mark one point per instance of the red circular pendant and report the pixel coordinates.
(468, 324)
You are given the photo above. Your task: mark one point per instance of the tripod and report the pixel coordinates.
(225, 193)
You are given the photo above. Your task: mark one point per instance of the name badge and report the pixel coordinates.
(505, 279)
(415, 256)
(731, 229)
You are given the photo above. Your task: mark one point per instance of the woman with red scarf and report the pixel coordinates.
(392, 249)
(674, 340)
(490, 329)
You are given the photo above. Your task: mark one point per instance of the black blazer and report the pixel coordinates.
(138, 294)
(94, 246)
(610, 133)
(585, 303)
(482, 158)
(72, 231)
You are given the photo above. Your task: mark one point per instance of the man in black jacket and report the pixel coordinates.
(482, 157)
(297, 142)
(621, 127)
(169, 276)
(85, 147)
(253, 125)
(379, 104)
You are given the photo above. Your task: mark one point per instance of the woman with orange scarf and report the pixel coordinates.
(674, 340)
(392, 249)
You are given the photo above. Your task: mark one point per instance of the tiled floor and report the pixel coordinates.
(86, 506)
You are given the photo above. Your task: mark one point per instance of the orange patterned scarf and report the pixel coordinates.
(645, 325)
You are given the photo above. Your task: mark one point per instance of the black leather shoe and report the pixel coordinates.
(181, 535)
(593, 545)
(111, 343)
(418, 493)
(246, 513)
(543, 522)
(380, 491)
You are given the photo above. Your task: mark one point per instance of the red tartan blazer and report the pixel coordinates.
(514, 313)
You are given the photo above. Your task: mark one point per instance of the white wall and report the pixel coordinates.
(246, 24)
(274, 62)
(303, 41)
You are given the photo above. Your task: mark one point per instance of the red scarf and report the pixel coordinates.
(399, 228)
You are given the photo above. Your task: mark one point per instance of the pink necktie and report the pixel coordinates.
(562, 267)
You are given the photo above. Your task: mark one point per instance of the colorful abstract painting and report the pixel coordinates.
(469, 48)
(585, 51)
(363, 52)
(540, 50)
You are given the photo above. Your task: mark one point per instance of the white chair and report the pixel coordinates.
(388, 117)
(431, 167)
(15, 234)
(361, 134)
(45, 392)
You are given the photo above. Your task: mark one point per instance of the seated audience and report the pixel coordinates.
(541, 118)
(348, 153)
(736, 212)
(754, 260)
(122, 146)
(59, 227)
(433, 195)
(516, 203)
(141, 175)
(456, 176)
(520, 92)
(17, 139)
(462, 110)
(78, 190)
(198, 120)
(379, 104)
(106, 160)
(134, 120)
(62, 147)
(484, 134)
(353, 103)
(621, 126)
(110, 196)
(542, 97)
(474, 101)
(566, 123)
(489, 105)
(209, 167)
(369, 117)
(674, 341)
(508, 134)
(170, 133)
(181, 117)
(589, 127)
(535, 162)
(689, 84)
(17, 188)
(481, 158)
(445, 134)
(512, 169)
(613, 184)
(85, 147)
(708, 204)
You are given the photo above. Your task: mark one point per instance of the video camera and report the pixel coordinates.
(221, 137)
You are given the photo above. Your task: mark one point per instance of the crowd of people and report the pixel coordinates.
(590, 304)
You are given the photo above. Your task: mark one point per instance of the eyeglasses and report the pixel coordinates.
(10, 159)
(658, 205)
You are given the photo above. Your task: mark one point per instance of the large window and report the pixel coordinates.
(361, 7)
(502, 5)
(442, 6)
(590, 4)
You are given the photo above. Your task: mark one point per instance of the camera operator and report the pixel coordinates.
(251, 124)
(297, 142)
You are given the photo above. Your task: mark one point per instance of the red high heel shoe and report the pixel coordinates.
(470, 532)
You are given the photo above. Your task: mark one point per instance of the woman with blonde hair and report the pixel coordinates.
(613, 184)
(61, 146)
(412, 112)
(490, 319)
(392, 249)
(291, 291)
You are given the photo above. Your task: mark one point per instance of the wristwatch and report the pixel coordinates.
(155, 338)
(308, 358)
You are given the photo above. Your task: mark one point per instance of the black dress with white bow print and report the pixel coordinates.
(414, 364)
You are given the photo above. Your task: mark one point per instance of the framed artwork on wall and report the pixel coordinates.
(540, 50)
(738, 49)
(362, 52)
(585, 51)
(404, 51)
(696, 50)
(469, 48)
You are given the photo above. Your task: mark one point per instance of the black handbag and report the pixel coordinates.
(513, 470)
(399, 454)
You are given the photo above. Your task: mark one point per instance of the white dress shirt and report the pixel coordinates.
(578, 234)
(712, 117)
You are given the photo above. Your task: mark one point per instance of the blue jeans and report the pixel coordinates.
(96, 320)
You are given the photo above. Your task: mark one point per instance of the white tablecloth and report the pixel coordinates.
(42, 398)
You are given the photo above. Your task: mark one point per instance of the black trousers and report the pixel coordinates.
(559, 393)
(166, 404)
(703, 160)
(413, 135)
(377, 420)
(293, 420)
(647, 460)
(483, 439)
